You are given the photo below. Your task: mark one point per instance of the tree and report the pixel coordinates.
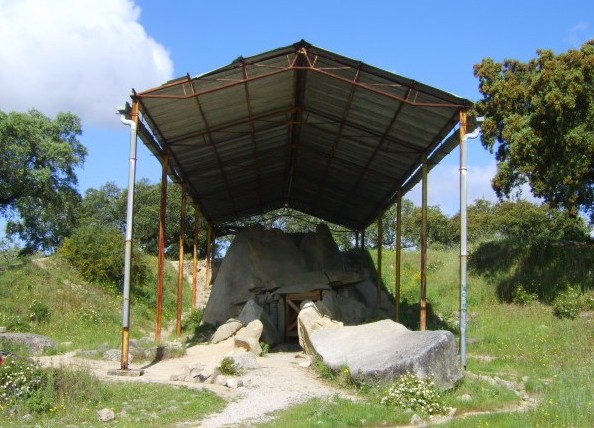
(440, 229)
(540, 124)
(38, 157)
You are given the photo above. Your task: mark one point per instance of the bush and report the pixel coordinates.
(229, 367)
(38, 312)
(418, 395)
(97, 252)
(522, 297)
(20, 378)
(567, 304)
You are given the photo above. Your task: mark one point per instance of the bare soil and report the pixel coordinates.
(279, 382)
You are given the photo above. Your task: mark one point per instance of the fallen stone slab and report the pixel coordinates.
(385, 350)
(226, 330)
(36, 344)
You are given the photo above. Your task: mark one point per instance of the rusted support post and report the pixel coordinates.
(380, 239)
(209, 248)
(195, 257)
(424, 248)
(133, 123)
(180, 268)
(398, 254)
(362, 251)
(161, 250)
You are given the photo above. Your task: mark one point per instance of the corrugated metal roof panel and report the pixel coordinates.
(298, 126)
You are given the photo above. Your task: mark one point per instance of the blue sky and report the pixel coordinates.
(84, 57)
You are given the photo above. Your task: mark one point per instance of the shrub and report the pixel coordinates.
(522, 297)
(567, 304)
(418, 395)
(229, 367)
(20, 378)
(38, 312)
(97, 252)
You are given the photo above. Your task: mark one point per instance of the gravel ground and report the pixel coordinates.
(279, 382)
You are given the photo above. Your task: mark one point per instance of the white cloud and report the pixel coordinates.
(78, 56)
(578, 35)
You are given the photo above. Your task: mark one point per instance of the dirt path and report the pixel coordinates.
(278, 383)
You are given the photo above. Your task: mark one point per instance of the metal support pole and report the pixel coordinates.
(463, 231)
(180, 268)
(209, 240)
(195, 257)
(398, 253)
(161, 249)
(380, 239)
(424, 248)
(133, 123)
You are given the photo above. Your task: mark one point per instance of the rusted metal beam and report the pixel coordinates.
(209, 248)
(380, 245)
(377, 148)
(398, 262)
(161, 250)
(180, 267)
(424, 248)
(299, 79)
(372, 88)
(255, 158)
(215, 150)
(195, 257)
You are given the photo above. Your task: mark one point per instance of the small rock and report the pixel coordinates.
(525, 379)
(452, 412)
(106, 415)
(226, 330)
(305, 364)
(177, 378)
(465, 398)
(416, 420)
(2, 329)
(246, 360)
(220, 380)
(232, 383)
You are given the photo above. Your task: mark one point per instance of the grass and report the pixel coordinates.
(80, 315)
(134, 404)
(549, 358)
(54, 300)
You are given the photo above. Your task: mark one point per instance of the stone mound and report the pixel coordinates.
(271, 267)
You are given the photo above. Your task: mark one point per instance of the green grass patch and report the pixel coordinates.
(69, 397)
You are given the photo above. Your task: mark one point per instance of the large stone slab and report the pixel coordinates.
(387, 350)
(36, 344)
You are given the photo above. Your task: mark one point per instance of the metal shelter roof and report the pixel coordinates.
(298, 127)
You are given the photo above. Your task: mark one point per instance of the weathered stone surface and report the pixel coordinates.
(248, 337)
(250, 312)
(309, 320)
(36, 344)
(226, 330)
(106, 415)
(262, 265)
(386, 350)
(246, 360)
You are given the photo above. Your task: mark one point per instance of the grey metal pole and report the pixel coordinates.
(129, 222)
(463, 233)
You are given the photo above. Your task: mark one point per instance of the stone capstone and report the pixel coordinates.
(387, 350)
